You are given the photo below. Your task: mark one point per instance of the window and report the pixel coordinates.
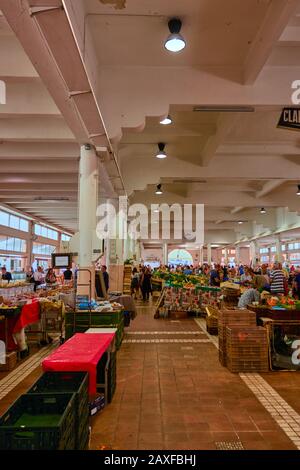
(295, 257)
(45, 232)
(12, 244)
(273, 249)
(283, 247)
(265, 259)
(41, 249)
(65, 238)
(264, 250)
(12, 221)
(291, 246)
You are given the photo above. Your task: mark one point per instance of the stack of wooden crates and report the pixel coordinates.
(243, 346)
(127, 279)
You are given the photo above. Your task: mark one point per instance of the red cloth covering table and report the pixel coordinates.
(80, 353)
(30, 314)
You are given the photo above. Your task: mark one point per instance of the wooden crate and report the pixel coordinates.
(178, 314)
(11, 362)
(241, 318)
(212, 325)
(247, 349)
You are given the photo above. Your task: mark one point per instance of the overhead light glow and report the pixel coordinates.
(298, 192)
(166, 121)
(263, 210)
(240, 222)
(158, 189)
(161, 151)
(175, 42)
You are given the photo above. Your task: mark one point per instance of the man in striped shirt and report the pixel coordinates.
(277, 279)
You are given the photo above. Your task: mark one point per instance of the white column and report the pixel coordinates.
(88, 198)
(253, 253)
(165, 254)
(278, 256)
(237, 255)
(209, 253)
(226, 256)
(201, 255)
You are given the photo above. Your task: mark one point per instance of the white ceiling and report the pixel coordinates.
(235, 163)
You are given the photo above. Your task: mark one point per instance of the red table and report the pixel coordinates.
(80, 353)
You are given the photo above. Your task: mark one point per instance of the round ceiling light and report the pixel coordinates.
(167, 121)
(298, 192)
(158, 189)
(175, 42)
(263, 210)
(161, 151)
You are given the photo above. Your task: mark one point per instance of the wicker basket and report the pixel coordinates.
(247, 349)
(212, 320)
(231, 318)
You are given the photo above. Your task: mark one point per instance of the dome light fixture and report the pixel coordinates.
(175, 42)
(298, 192)
(263, 210)
(166, 121)
(240, 222)
(158, 189)
(161, 151)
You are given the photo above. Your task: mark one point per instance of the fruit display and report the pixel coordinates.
(181, 280)
(283, 301)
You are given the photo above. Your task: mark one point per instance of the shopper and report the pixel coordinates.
(6, 275)
(247, 276)
(277, 280)
(68, 275)
(135, 283)
(215, 276)
(38, 277)
(50, 276)
(146, 283)
(297, 283)
(250, 295)
(105, 277)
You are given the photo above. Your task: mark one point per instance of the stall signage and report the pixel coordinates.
(290, 119)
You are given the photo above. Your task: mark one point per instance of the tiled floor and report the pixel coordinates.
(173, 394)
(176, 395)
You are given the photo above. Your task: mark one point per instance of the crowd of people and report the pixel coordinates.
(274, 279)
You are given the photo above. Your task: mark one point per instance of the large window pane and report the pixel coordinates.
(4, 219)
(24, 225)
(14, 222)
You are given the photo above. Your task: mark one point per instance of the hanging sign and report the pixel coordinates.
(289, 119)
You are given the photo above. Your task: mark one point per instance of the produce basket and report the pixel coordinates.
(212, 320)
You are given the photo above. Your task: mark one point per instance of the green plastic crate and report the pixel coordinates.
(39, 422)
(111, 374)
(113, 320)
(63, 382)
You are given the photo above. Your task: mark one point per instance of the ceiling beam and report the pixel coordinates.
(269, 187)
(225, 124)
(236, 210)
(276, 19)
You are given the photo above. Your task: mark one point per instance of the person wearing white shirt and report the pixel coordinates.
(38, 277)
